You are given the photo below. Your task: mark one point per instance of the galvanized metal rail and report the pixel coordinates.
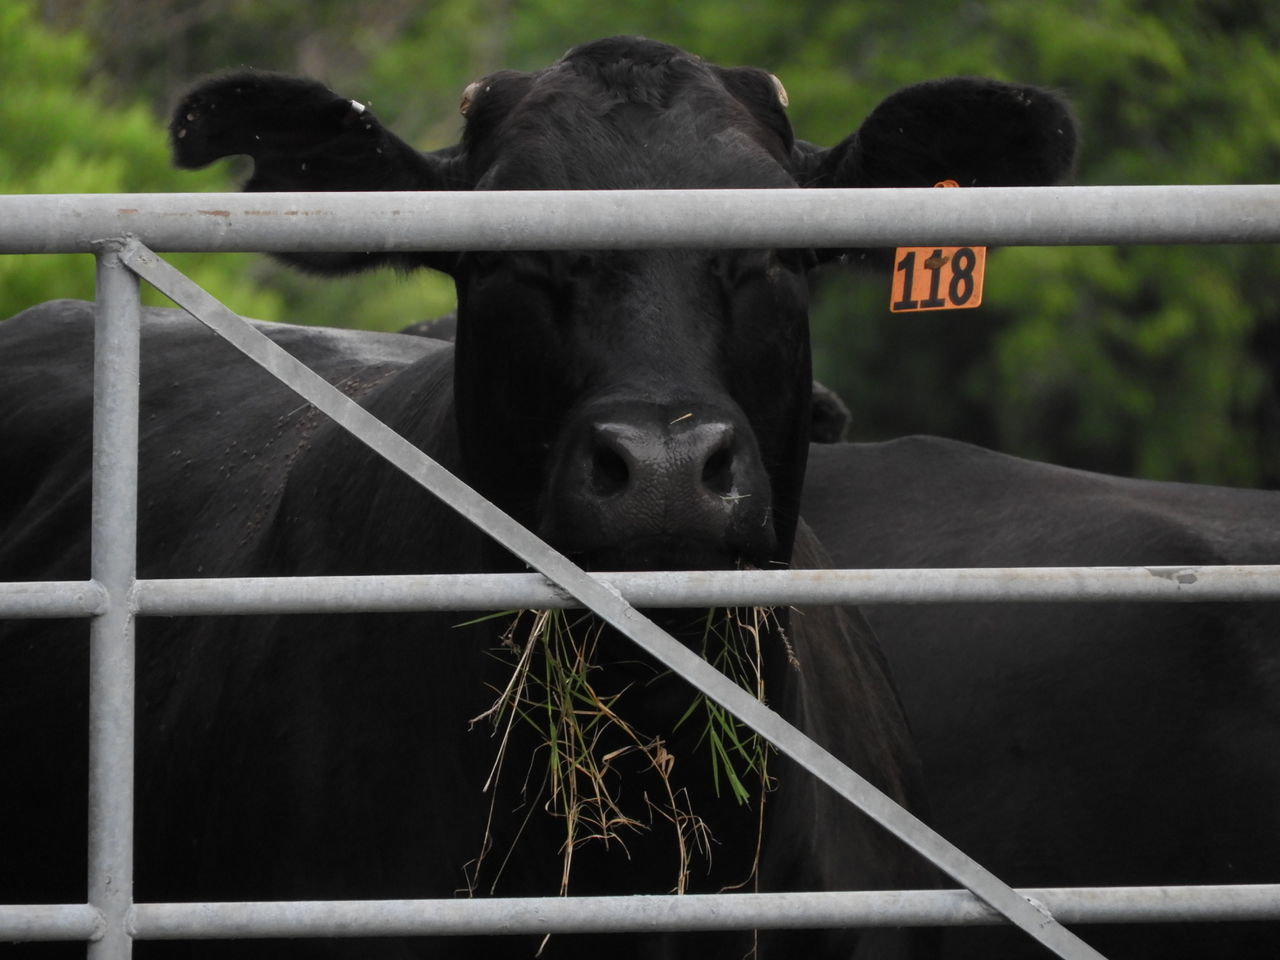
(608, 219)
(703, 588)
(548, 221)
(637, 914)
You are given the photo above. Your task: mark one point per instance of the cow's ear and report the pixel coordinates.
(302, 137)
(977, 132)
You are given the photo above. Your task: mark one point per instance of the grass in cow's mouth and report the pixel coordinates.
(737, 753)
(586, 739)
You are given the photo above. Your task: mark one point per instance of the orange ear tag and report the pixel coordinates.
(937, 278)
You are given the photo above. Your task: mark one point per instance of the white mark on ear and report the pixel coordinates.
(358, 107)
(781, 90)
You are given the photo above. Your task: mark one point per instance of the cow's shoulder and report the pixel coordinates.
(220, 439)
(938, 502)
(55, 338)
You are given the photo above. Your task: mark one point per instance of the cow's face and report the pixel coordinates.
(641, 408)
(644, 408)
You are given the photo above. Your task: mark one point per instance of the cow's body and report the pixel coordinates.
(642, 409)
(326, 778)
(1076, 744)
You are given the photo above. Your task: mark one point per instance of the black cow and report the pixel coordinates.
(1076, 744)
(637, 409)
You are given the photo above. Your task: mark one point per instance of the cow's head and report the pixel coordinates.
(645, 408)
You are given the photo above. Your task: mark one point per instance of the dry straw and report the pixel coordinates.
(582, 735)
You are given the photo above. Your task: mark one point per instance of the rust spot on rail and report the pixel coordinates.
(215, 213)
(285, 213)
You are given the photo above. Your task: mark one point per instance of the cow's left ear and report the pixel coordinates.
(977, 132)
(302, 137)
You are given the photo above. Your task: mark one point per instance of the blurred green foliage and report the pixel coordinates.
(60, 137)
(1162, 362)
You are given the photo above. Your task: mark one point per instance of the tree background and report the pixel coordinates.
(1153, 361)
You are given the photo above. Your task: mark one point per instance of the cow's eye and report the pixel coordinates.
(747, 266)
(799, 261)
(733, 267)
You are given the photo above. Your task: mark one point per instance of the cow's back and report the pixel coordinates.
(1076, 744)
(212, 424)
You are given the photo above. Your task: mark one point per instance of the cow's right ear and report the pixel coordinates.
(974, 131)
(970, 130)
(304, 137)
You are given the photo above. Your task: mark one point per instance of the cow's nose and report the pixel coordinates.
(695, 462)
(642, 486)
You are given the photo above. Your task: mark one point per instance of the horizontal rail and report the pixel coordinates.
(50, 921)
(599, 219)
(546, 915)
(693, 588)
(794, 588)
(689, 913)
(712, 588)
(52, 598)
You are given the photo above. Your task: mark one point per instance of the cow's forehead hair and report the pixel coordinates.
(628, 113)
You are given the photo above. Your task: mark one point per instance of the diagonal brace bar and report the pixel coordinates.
(605, 602)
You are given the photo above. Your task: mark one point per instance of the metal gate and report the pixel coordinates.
(116, 227)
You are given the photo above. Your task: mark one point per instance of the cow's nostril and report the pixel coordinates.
(609, 472)
(717, 472)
